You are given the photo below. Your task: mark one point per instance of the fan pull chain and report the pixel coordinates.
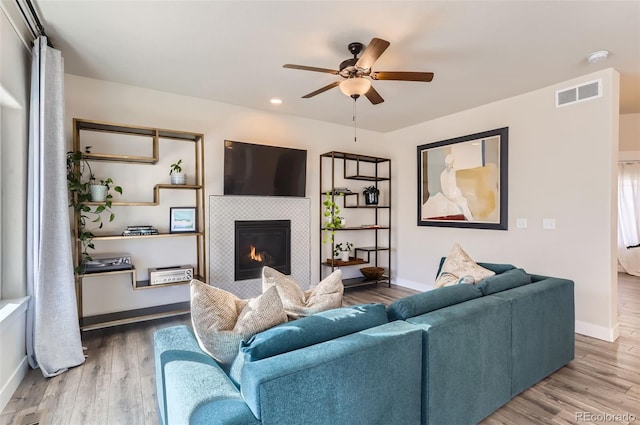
(355, 132)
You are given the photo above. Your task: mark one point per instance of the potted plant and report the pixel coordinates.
(100, 191)
(80, 178)
(371, 195)
(343, 250)
(332, 219)
(177, 176)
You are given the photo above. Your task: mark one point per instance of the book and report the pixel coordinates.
(140, 232)
(143, 227)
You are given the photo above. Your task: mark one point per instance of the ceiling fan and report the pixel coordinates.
(357, 72)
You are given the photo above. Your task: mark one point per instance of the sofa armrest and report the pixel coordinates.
(543, 329)
(191, 386)
(368, 377)
(467, 361)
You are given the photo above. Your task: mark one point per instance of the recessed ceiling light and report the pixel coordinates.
(598, 56)
(276, 101)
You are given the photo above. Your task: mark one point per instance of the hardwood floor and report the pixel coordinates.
(116, 386)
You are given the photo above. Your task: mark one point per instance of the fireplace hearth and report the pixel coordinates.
(260, 243)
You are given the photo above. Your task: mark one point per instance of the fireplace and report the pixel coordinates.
(261, 243)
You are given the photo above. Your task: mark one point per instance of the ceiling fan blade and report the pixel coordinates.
(310, 68)
(403, 76)
(376, 47)
(373, 96)
(321, 90)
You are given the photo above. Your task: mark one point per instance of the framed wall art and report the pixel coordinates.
(182, 220)
(462, 182)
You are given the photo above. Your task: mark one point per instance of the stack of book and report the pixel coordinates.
(139, 231)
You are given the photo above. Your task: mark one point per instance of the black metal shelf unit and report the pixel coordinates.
(357, 167)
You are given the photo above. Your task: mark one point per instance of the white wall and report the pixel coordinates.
(105, 101)
(561, 166)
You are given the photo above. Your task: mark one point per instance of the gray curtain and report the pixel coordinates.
(53, 332)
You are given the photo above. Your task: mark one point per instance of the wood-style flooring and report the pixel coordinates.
(115, 386)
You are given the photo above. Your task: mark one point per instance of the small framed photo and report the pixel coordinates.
(182, 220)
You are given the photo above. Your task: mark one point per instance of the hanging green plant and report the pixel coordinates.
(80, 179)
(332, 219)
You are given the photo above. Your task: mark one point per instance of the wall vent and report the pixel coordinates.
(579, 93)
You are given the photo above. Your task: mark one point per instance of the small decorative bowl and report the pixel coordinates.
(372, 272)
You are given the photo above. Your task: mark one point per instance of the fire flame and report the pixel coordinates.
(254, 256)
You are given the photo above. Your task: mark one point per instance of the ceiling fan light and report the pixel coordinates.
(356, 86)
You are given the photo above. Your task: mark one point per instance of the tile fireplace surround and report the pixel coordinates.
(225, 210)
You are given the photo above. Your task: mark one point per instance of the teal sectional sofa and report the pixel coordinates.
(450, 356)
(484, 344)
(342, 366)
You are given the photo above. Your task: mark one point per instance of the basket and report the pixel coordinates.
(372, 272)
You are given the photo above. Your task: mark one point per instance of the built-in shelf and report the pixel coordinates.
(363, 281)
(137, 284)
(354, 157)
(136, 130)
(119, 158)
(367, 206)
(159, 235)
(368, 250)
(131, 316)
(144, 284)
(156, 195)
(367, 178)
(339, 263)
(360, 228)
(131, 271)
(121, 134)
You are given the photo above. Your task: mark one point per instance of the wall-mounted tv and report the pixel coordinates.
(262, 170)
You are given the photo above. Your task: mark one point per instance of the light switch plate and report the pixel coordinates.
(521, 223)
(549, 223)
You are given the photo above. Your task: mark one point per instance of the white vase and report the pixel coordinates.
(98, 192)
(178, 178)
(344, 255)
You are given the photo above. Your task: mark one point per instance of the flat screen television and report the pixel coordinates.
(262, 170)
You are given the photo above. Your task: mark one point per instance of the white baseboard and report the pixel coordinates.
(599, 332)
(418, 286)
(12, 384)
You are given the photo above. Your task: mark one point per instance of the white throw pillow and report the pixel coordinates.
(298, 303)
(458, 264)
(221, 320)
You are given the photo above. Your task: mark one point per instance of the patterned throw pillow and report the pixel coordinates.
(458, 264)
(298, 303)
(221, 320)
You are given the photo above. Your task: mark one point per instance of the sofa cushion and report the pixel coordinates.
(459, 264)
(298, 303)
(314, 329)
(507, 280)
(497, 268)
(436, 299)
(221, 320)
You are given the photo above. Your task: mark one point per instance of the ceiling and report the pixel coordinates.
(233, 51)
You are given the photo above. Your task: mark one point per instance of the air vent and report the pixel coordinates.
(582, 92)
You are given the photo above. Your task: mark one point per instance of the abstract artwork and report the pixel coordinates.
(462, 182)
